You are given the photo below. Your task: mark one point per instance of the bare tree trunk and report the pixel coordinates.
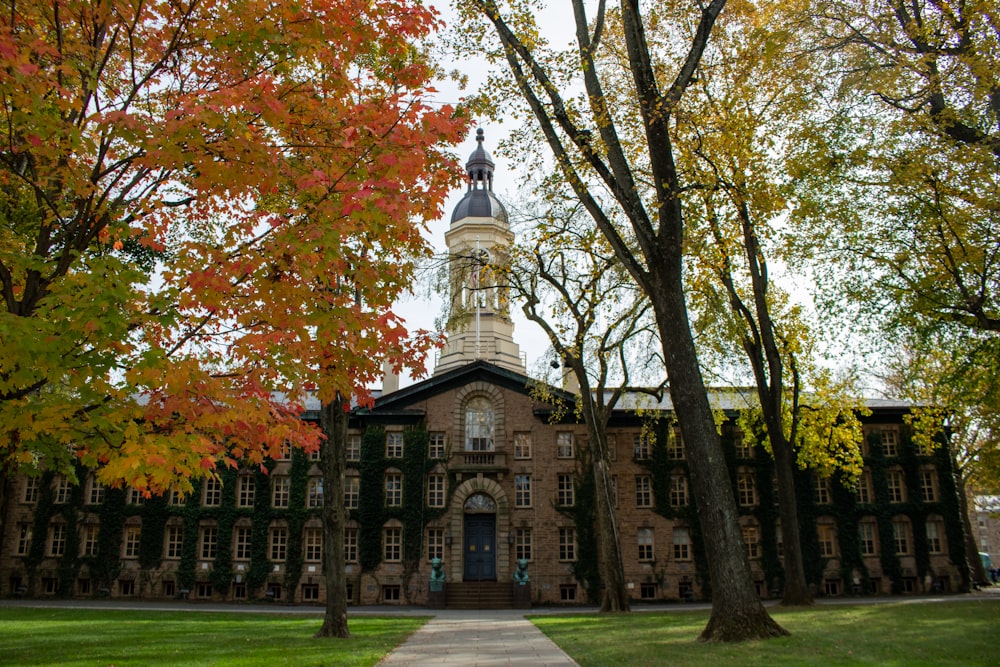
(333, 421)
(796, 591)
(615, 596)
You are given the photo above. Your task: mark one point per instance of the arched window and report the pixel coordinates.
(479, 425)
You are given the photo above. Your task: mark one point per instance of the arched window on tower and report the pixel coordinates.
(479, 425)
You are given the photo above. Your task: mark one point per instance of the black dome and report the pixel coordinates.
(479, 201)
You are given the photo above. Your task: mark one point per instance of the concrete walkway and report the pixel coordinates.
(479, 638)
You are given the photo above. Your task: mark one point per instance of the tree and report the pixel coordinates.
(645, 186)
(208, 210)
(572, 285)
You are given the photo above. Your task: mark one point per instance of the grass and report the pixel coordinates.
(940, 633)
(112, 637)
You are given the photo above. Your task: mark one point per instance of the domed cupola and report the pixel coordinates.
(479, 201)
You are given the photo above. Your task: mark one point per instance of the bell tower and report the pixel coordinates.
(479, 324)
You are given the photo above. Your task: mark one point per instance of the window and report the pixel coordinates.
(564, 445)
(522, 490)
(57, 539)
(353, 447)
(209, 539)
(821, 491)
(90, 534)
(314, 491)
(928, 485)
(285, 452)
(393, 489)
(281, 486)
(682, 544)
(312, 545)
(647, 591)
(863, 493)
(522, 543)
(897, 487)
(130, 542)
(394, 445)
(643, 491)
(177, 498)
(746, 489)
(175, 540)
(751, 540)
(890, 441)
(278, 540)
(435, 490)
(901, 536)
(213, 492)
(62, 490)
(567, 592)
(645, 539)
(435, 543)
(744, 449)
(352, 491)
(96, 495)
(564, 491)
(640, 447)
(522, 445)
(392, 541)
(867, 536)
(479, 425)
(675, 445)
(310, 592)
(314, 455)
(23, 539)
(243, 536)
(246, 494)
(827, 535)
(390, 593)
(678, 491)
(351, 545)
(30, 490)
(935, 531)
(567, 544)
(436, 445)
(136, 497)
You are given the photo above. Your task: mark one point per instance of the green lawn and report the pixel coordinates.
(88, 637)
(902, 633)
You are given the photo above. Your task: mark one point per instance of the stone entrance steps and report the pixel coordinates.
(480, 595)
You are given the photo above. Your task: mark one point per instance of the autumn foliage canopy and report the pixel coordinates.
(207, 209)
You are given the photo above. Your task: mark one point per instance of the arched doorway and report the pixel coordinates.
(480, 538)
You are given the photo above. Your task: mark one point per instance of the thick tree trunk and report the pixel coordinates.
(615, 595)
(974, 572)
(797, 591)
(737, 612)
(333, 421)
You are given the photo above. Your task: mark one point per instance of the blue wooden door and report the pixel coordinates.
(480, 547)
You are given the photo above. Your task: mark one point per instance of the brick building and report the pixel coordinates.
(469, 467)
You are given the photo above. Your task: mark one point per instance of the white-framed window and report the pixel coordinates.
(640, 447)
(212, 494)
(928, 485)
(746, 489)
(314, 492)
(394, 445)
(565, 495)
(479, 425)
(564, 445)
(678, 490)
(567, 544)
(744, 447)
(89, 536)
(247, 489)
(522, 445)
(278, 543)
(31, 490)
(682, 544)
(868, 537)
(821, 491)
(935, 535)
(522, 543)
(436, 446)
(23, 538)
(522, 490)
(174, 541)
(177, 499)
(435, 543)
(353, 453)
(312, 545)
(890, 441)
(751, 541)
(281, 486)
(136, 497)
(244, 535)
(645, 543)
(435, 490)
(95, 494)
(675, 445)
(352, 492)
(57, 539)
(643, 491)
(901, 535)
(392, 542)
(130, 541)
(826, 533)
(864, 493)
(393, 489)
(208, 537)
(896, 483)
(62, 488)
(351, 544)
